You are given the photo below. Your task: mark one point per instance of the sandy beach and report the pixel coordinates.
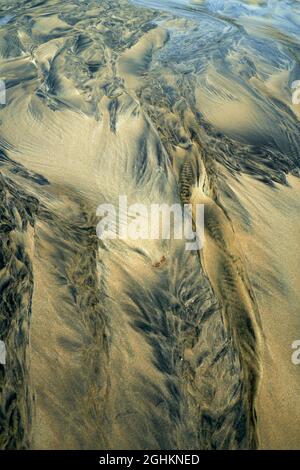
(140, 343)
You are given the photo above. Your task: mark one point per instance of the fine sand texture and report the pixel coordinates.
(142, 344)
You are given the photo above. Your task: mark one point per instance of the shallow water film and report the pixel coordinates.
(141, 341)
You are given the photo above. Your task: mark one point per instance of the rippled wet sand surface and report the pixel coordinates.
(165, 102)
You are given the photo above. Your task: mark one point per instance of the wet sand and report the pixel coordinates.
(142, 344)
